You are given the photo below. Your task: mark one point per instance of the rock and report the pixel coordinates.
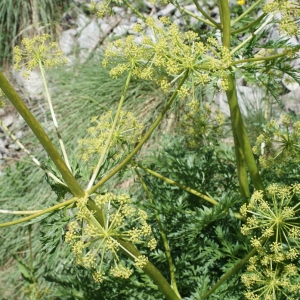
(3, 143)
(8, 120)
(118, 10)
(249, 98)
(19, 134)
(192, 8)
(67, 41)
(14, 146)
(291, 102)
(121, 30)
(290, 83)
(79, 2)
(82, 21)
(168, 10)
(89, 36)
(33, 86)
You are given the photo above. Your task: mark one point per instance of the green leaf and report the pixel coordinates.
(24, 269)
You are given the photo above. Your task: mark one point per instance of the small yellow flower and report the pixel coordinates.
(241, 2)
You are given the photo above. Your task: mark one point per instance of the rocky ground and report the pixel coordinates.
(83, 35)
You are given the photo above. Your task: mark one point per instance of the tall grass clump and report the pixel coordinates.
(21, 19)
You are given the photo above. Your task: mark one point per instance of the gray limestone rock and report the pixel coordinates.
(67, 41)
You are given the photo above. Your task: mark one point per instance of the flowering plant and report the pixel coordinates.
(109, 233)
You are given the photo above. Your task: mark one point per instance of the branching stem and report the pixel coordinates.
(61, 143)
(182, 186)
(142, 142)
(107, 143)
(246, 12)
(40, 213)
(230, 272)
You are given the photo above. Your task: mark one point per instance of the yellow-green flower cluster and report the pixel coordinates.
(201, 123)
(101, 9)
(2, 99)
(279, 144)
(269, 281)
(273, 223)
(290, 15)
(92, 242)
(35, 51)
(127, 132)
(164, 57)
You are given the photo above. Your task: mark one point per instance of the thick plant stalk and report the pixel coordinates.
(153, 273)
(241, 140)
(39, 132)
(241, 167)
(237, 123)
(235, 113)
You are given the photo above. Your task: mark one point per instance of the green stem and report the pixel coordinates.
(107, 143)
(240, 155)
(61, 143)
(39, 132)
(131, 251)
(207, 22)
(250, 25)
(182, 186)
(31, 252)
(141, 143)
(134, 10)
(231, 272)
(188, 189)
(238, 128)
(163, 236)
(153, 273)
(42, 212)
(246, 12)
(241, 167)
(217, 25)
(241, 45)
(267, 58)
